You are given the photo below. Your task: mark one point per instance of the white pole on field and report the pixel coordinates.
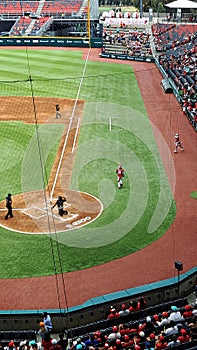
(110, 120)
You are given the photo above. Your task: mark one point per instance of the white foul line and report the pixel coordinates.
(69, 128)
(76, 133)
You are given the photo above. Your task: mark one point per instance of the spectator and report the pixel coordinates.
(47, 322)
(172, 329)
(79, 345)
(55, 345)
(148, 326)
(113, 313)
(142, 303)
(164, 320)
(46, 341)
(63, 341)
(42, 330)
(175, 315)
(134, 306)
(184, 337)
(115, 334)
(161, 343)
(173, 342)
(187, 313)
(124, 311)
(91, 341)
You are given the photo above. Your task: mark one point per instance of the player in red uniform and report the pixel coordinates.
(177, 143)
(120, 174)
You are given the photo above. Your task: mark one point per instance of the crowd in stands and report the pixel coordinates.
(39, 23)
(176, 46)
(20, 27)
(164, 326)
(132, 41)
(177, 49)
(163, 330)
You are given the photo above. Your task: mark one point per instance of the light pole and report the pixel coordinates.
(141, 9)
(179, 267)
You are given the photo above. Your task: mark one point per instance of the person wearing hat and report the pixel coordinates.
(164, 320)
(161, 343)
(120, 175)
(115, 334)
(124, 311)
(177, 143)
(176, 315)
(9, 206)
(79, 345)
(113, 313)
(42, 330)
(184, 337)
(187, 313)
(55, 345)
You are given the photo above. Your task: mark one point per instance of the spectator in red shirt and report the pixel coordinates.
(134, 306)
(161, 343)
(113, 314)
(184, 337)
(188, 312)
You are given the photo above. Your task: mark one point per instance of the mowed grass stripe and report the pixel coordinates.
(106, 87)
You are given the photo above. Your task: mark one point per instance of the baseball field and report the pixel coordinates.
(103, 122)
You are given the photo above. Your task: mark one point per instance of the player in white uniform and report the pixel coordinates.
(177, 143)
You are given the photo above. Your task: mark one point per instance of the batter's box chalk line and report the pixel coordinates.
(37, 213)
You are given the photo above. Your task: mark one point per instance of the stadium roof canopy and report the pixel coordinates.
(182, 4)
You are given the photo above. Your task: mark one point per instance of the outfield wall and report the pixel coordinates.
(50, 42)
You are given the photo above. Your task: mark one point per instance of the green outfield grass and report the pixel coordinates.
(115, 129)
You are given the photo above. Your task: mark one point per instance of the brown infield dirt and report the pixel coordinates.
(156, 261)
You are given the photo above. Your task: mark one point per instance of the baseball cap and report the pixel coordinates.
(174, 308)
(115, 329)
(54, 341)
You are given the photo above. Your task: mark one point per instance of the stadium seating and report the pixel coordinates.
(16, 336)
(126, 41)
(176, 46)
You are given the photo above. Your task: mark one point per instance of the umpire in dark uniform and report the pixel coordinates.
(60, 205)
(9, 206)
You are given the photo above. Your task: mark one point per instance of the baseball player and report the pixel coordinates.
(60, 204)
(120, 175)
(9, 206)
(57, 108)
(177, 143)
